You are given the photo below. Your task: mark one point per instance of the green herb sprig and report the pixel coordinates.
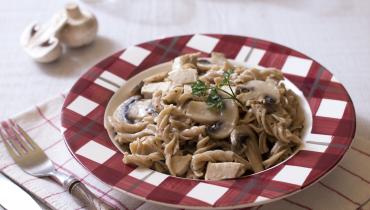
(214, 99)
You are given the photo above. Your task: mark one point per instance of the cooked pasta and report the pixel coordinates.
(209, 119)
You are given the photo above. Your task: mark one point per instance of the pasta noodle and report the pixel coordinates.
(170, 128)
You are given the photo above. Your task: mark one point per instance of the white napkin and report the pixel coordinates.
(346, 187)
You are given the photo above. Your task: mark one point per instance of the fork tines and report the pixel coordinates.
(16, 139)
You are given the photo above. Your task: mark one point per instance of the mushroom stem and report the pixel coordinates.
(73, 10)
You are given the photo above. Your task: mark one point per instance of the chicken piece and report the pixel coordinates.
(148, 89)
(183, 76)
(225, 170)
(185, 61)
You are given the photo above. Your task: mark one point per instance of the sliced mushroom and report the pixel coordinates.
(243, 135)
(139, 109)
(40, 41)
(225, 170)
(133, 109)
(264, 91)
(128, 116)
(229, 116)
(220, 124)
(200, 112)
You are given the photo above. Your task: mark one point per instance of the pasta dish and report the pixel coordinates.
(209, 118)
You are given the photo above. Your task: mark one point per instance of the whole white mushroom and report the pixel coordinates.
(80, 28)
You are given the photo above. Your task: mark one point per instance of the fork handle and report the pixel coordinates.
(79, 190)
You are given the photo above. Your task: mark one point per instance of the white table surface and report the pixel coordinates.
(335, 33)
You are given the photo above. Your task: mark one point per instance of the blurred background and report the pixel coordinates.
(336, 33)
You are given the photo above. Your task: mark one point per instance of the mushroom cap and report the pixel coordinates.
(220, 124)
(200, 112)
(229, 117)
(120, 114)
(258, 90)
(132, 109)
(139, 109)
(40, 44)
(47, 52)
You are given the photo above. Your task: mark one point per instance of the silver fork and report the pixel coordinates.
(32, 159)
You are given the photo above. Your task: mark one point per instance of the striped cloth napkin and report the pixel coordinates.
(346, 187)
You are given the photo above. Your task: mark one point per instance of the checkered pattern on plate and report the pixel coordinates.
(332, 130)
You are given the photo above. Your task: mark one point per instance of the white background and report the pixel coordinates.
(335, 33)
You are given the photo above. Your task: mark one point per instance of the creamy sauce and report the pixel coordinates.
(139, 109)
(121, 111)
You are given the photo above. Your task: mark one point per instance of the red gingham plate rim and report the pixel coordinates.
(69, 117)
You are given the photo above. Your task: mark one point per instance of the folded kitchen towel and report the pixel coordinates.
(346, 187)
